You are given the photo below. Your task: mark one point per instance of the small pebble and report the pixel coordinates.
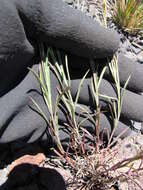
(140, 57)
(135, 49)
(139, 140)
(70, 2)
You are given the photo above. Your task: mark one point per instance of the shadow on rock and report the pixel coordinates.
(32, 177)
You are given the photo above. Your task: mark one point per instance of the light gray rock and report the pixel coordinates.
(135, 49)
(140, 57)
(137, 126)
(3, 176)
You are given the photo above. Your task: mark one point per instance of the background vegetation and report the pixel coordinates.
(128, 15)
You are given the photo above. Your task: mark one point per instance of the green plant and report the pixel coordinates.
(128, 15)
(66, 100)
(104, 7)
(44, 80)
(116, 104)
(95, 167)
(95, 83)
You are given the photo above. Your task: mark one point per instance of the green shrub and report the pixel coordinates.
(128, 15)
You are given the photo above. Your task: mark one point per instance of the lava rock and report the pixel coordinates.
(32, 177)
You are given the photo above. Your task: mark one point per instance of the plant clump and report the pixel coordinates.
(128, 15)
(91, 161)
